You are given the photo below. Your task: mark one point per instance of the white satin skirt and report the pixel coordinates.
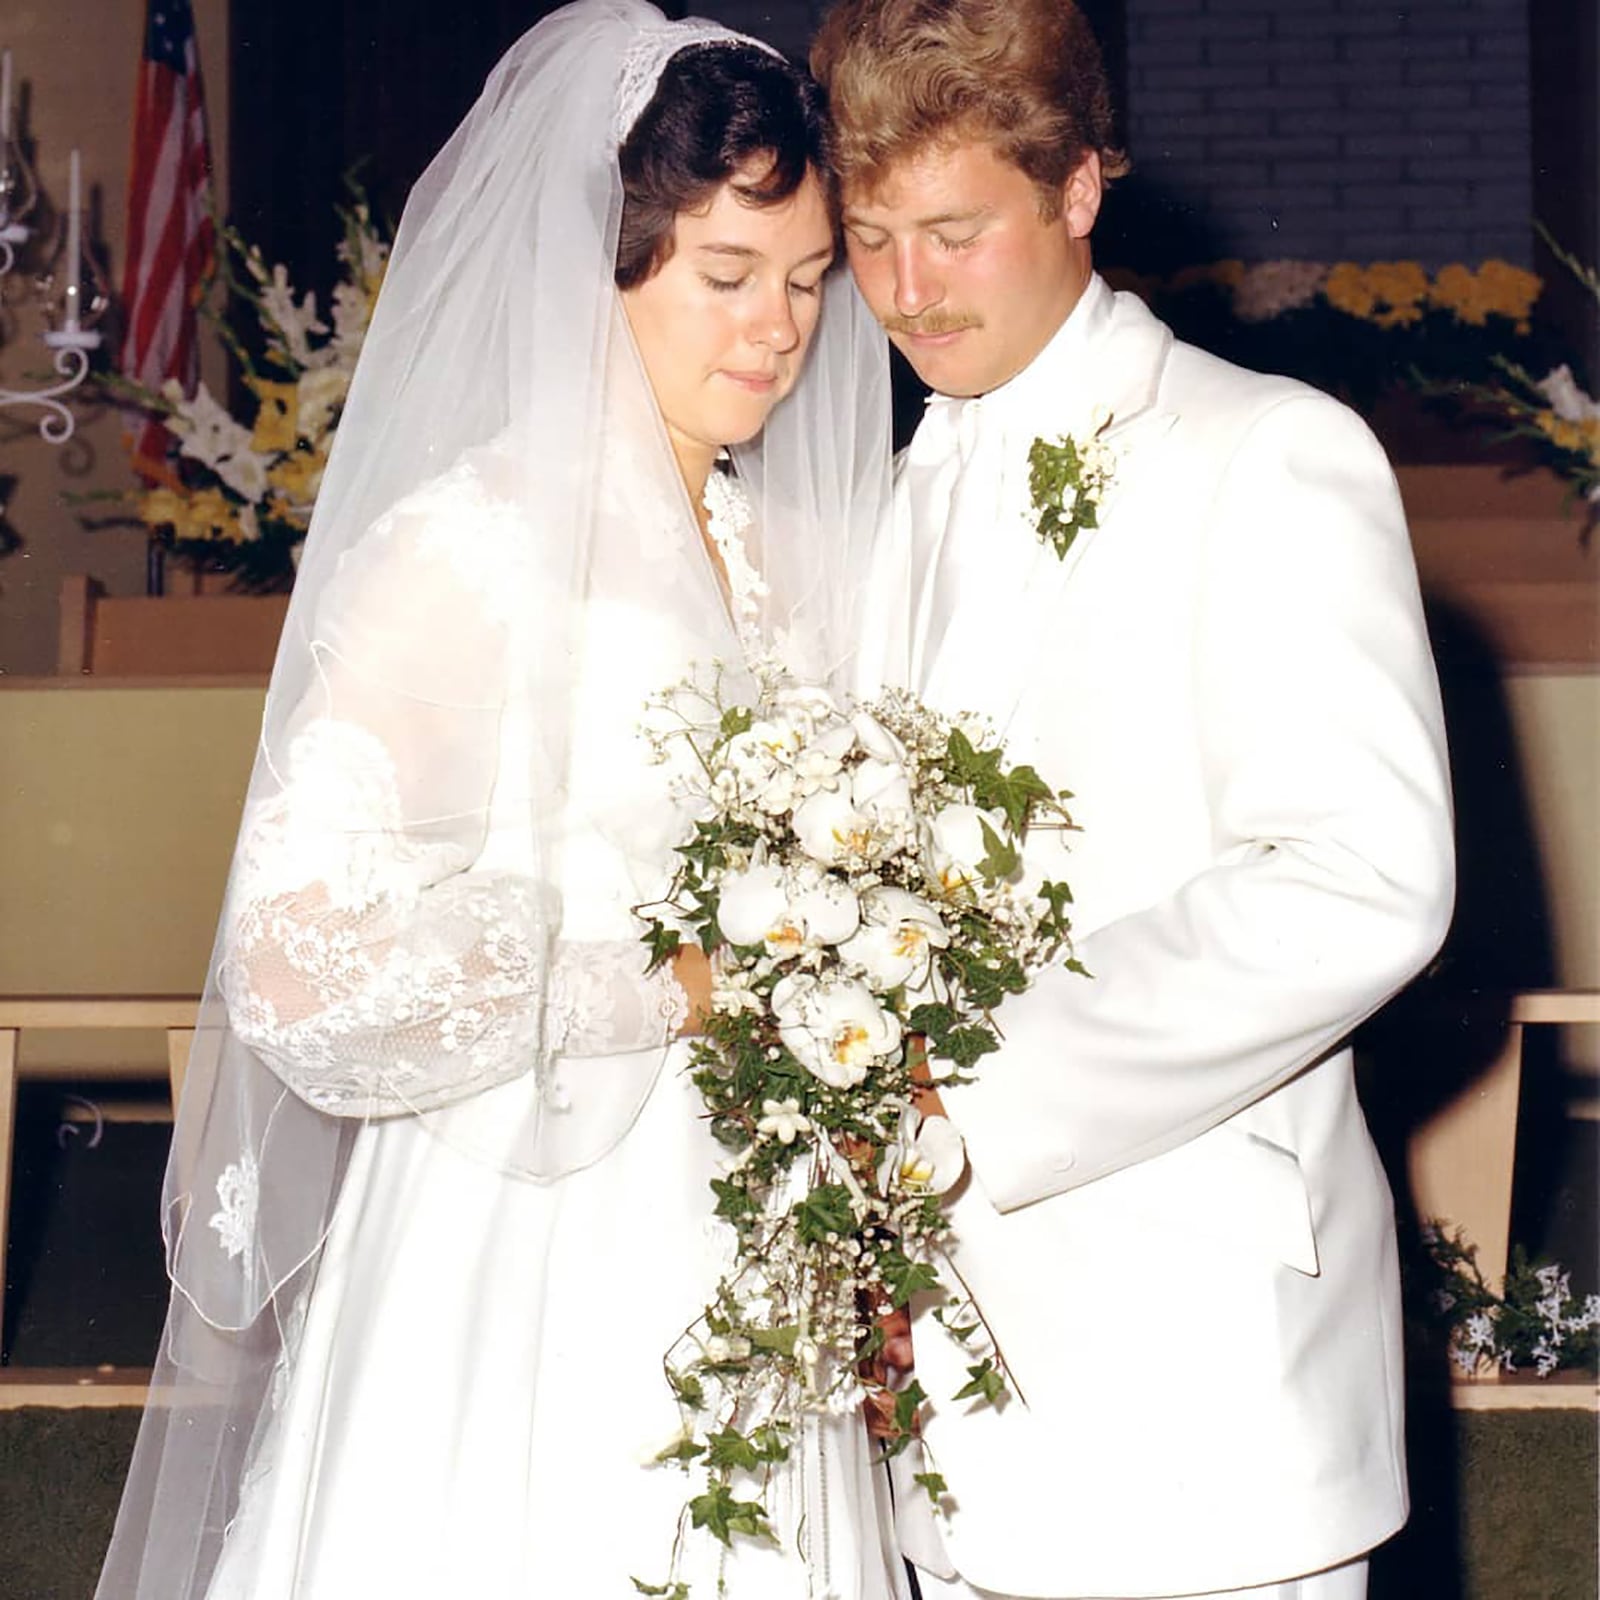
(477, 1384)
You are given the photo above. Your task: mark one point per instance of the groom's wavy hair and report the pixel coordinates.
(720, 113)
(1025, 76)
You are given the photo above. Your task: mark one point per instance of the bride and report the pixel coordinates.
(437, 1203)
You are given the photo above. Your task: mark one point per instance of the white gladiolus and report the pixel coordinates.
(1567, 400)
(895, 944)
(209, 434)
(834, 1028)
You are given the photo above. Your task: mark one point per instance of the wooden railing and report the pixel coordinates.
(1461, 1161)
(173, 1015)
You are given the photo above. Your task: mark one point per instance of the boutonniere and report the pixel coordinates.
(1067, 481)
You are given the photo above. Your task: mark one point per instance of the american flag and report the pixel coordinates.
(170, 233)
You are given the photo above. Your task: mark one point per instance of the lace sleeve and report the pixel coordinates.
(364, 957)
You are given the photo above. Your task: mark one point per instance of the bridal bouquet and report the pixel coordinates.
(854, 876)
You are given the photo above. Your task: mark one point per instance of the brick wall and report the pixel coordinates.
(1329, 129)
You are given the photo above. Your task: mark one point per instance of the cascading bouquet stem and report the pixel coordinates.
(855, 876)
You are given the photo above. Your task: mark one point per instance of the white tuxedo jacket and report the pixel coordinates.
(1175, 1224)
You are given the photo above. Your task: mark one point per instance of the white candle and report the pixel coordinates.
(74, 243)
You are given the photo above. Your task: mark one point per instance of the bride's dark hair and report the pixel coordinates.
(720, 113)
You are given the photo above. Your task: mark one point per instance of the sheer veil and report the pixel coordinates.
(500, 464)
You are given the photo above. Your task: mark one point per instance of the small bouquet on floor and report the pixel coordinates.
(855, 878)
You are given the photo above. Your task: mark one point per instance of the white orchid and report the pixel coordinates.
(787, 910)
(928, 1157)
(831, 830)
(894, 946)
(958, 845)
(833, 1027)
(782, 1120)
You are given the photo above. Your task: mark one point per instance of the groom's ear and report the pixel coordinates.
(1081, 194)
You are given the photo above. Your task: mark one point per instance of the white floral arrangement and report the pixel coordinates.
(1534, 1320)
(855, 877)
(241, 497)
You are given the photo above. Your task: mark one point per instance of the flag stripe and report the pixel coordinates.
(170, 234)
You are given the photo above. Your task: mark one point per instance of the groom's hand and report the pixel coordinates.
(692, 969)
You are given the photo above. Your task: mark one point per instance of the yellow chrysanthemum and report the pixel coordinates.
(277, 423)
(298, 477)
(163, 508)
(1581, 438)
(1390, 293)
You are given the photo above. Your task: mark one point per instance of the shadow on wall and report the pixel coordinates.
(1435, 1040)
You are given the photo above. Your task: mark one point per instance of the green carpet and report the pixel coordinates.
(1505, 1508)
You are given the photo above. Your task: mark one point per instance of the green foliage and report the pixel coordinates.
(722, 1516)
(985, 1382)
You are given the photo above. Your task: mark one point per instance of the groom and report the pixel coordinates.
(1174, 1222)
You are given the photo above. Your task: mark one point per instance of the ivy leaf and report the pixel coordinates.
(903, 1277)
(734, 1201)
(722, 1516)
(933, 1020)
(933, 1482)
(688, 1388)
(729, 1451)
(825, 1210)
(780, 1339)
(681, 1450)
(736, 720)
(986, 1383)
(907, 1402)
(769, 1443)
(666, 1591)
(1000, 859)
(662, 942)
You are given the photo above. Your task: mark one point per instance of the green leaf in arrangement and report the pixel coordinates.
(825, 1210)
(688, 1388)
(736, 720)
(664, 1591)
(684, 1449)
(722, 1516)
(933, 1483)
(729, 1451)
(662, 942)
(904, 1278)
(734, 1201)
(770, 1443)
(1000, 857)
(780, 1339)
(907, 1402)
(985, 1383)
(933, 1020)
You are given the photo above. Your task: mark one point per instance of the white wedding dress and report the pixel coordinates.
(473, 1385)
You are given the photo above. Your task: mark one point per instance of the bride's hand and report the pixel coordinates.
(692, 969)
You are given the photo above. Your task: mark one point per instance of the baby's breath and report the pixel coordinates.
(854, 872)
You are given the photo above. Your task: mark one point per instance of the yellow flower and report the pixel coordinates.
(1224, 274)
(1496, 289)
(162, 508)
(210, 515)
(1389, 293)
(1581, 438)
(297, 477)
(278, 417)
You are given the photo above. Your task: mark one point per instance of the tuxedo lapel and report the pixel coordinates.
(979, 653)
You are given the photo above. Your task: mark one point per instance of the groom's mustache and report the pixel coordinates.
(934, 322)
